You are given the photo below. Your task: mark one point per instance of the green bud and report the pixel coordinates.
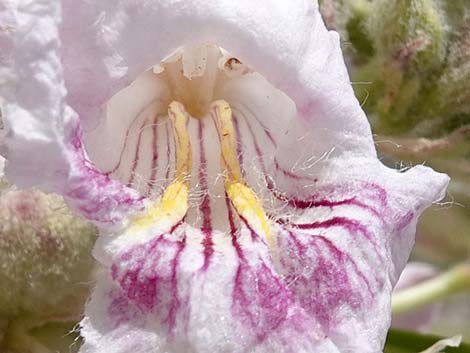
(45, 256)
(457, 12)
(349, 18)
(400, 95)
(454, 84)
(357, 32)
(410, 32)
(410, 38)
(446, 103)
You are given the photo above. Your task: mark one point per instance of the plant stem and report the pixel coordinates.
(453, 281)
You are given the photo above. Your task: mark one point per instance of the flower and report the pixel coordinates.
(241, 203)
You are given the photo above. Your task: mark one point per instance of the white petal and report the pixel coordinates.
(41, 136)
(362, 216)
(345, 237)
(157, 295)
(327, 151)
(35, 113)
(107, 44)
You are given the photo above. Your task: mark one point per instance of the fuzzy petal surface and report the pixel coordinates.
(343, 223)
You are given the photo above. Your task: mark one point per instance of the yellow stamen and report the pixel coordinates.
(179, 118)
(243, 199)
(173, 205)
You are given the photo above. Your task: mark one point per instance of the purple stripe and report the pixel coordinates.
(259, 154)
(304, 204)
(349, 224)
(313, 202)
(341, 255)
(144, 293)
(175, 303)
(274, 143)
(333, 274)
(149, 279)
(405, 221)
(292, 175)
(328, 285)
(113, 170)
(168, 152)
(204, 207)
(301, 204)
(233, 230)
(239, 144)
(94, 193)
(265, 129)
(136, 160)
(126, 139)
(352, 226)
(154, 166)
(254, 236)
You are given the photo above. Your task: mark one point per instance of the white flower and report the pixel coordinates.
(249, 215)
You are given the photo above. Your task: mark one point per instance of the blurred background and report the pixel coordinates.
(409, 62)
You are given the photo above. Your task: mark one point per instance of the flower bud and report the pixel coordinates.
(410, 38)
(45, 256)
(445, 101)
(409, 32)
(356, 26)
(454, 84)
(350, 18)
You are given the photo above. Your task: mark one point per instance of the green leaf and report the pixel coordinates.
(412, 342)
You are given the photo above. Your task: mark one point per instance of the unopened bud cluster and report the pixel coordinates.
(409, 60)
(45, 258)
